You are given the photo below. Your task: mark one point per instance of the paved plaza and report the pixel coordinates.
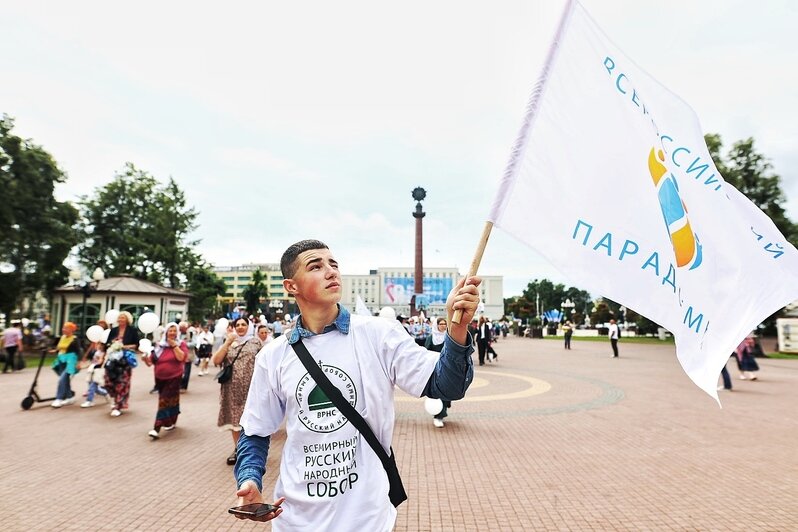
(546, 439)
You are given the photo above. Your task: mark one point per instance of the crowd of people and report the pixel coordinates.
(265, 382)
(108, 365)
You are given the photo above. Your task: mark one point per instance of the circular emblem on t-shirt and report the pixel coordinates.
(316, 411)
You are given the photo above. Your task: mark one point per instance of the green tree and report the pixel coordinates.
(134, 225)
(205, 287)
(545, 295)
(751, 173)
(602, 312)
(254, 291)
(36, 231)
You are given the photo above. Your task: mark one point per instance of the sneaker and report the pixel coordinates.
(154, 390)
(69, 401)
(115, 413)
(743, 378)
(153, 434)
(438, 423)
(87, 404)
(170, 427)
(200, 374)
(57, 403)
(231, 460)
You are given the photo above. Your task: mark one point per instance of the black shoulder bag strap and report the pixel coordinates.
(396, 492)
(241, 348)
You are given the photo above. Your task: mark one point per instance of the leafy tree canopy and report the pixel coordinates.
(138, 226)
(545, 295)
(254, 291)
(36, 231)
(204, 286)
(751, 173)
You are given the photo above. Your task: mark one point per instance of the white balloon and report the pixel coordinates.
(287, 317)
(145, 346)
(95, 333)
(263, 318)
(148, 322)
(221, 325)
(25, 322)
(104, 338)
(388, 312)
(111, 316)
(433, 406)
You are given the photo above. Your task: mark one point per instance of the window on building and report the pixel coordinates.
(75, 315)
(136, 309)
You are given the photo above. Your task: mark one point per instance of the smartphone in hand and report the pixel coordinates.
(253, 510)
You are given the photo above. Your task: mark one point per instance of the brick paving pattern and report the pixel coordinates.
(547, 439)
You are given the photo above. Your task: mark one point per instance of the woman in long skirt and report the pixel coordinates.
(239, 350)
(169, 356)
(118, 371)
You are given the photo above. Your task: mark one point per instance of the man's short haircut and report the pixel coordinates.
(288, 263)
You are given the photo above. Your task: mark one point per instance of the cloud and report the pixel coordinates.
(280, 126)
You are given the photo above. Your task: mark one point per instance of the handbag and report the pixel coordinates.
(396, 491)
(130, 358)
(226, 373)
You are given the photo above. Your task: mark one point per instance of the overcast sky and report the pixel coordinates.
(292, 120)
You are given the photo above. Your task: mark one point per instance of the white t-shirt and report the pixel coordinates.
(329, 475)
(613, 330)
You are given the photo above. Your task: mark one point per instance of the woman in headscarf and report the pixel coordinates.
(118, 371)
(434, 342)
(263, 333)
(67, 348)
(746, 362)
(239, 350)
(169, 356)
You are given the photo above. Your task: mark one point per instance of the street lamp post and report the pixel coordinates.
(276, 307)
(537, 305)
(567, 306)
(86, 288)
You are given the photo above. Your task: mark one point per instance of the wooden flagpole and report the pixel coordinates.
(472, 271)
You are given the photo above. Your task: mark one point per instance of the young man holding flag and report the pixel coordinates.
(329, 476)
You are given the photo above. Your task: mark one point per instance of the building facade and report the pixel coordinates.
(278, 302)
(122, 292)
(383, 287)
(393, 287)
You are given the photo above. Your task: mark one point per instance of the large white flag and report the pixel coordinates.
(611, 180)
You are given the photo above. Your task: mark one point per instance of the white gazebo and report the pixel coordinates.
(87, 302)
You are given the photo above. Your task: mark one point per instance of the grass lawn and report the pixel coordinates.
(788, 356)
(624, 339)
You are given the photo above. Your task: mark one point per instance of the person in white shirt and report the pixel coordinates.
(330, 478)
(615, 334)
(204, 349)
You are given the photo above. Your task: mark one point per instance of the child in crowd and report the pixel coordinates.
(95, 374)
